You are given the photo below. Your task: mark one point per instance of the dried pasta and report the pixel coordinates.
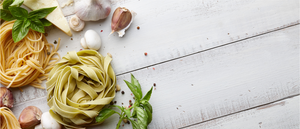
(79, 85)
(26, 62)
(8, 119)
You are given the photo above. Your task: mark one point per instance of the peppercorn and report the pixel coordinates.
(145, 53)
(115, 102)
(138, 27)
(55, 42)
(123, 92)
(154, 84)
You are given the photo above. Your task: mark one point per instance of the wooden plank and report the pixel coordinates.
(280, 115)
(212, 83)
(170, 29)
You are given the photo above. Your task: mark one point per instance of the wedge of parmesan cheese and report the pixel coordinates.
(56, 17)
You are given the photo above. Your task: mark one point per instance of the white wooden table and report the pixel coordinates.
(230, 64)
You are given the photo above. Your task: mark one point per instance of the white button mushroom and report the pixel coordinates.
(48, 122)
(39, 126)
(76, 24)
(91, 40)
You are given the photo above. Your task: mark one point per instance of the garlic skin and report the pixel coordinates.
(121, 20)
(91, 40)
(76, 24)
(92, 10)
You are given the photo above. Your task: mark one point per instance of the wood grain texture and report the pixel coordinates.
(280, 115)
(170, 29)
(214, 83)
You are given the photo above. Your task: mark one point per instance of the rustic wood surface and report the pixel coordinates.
(216, 64)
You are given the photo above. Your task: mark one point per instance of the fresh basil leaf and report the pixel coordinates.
(142, 117)
(148, 95)
(6, 15)
(37, 25)
(45, 22)
(128, 113)
(19, 31)
(26, 23)
(17, 3)
(147, 105)
(149, 113)
(133, 113)
(18, 12)
(41, 13)
(134, 90)
(104, 114)
(135, 82)
(7, 3)
(134, 124)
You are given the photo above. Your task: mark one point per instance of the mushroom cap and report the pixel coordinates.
(83, 43)
(92, 39)
(48, 122)
(76, 24)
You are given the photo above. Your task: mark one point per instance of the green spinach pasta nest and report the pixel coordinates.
(79, 86)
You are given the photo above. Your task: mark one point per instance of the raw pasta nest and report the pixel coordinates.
(8, 120)
(26, 62)
(79, 86)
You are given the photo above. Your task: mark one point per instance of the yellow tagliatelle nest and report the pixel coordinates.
(8, 120)
(79, 86)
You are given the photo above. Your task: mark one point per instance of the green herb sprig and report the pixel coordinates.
(35, 20)
(142, 109)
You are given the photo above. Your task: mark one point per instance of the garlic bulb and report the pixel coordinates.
(91, 40)
(92, 10)
(76, 24)
(121, 20)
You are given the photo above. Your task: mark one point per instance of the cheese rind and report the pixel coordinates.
(56, 17)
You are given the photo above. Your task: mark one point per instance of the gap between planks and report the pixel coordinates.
(262, 105)
(230, 43)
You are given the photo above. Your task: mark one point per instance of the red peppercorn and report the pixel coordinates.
(145, 53)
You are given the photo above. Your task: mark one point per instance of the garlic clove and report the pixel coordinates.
(6, 98)
(30, 117)
(83, 43)
(76, 24)
(121, 20)
(122, 32)
(93, 40)
(92, 10)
